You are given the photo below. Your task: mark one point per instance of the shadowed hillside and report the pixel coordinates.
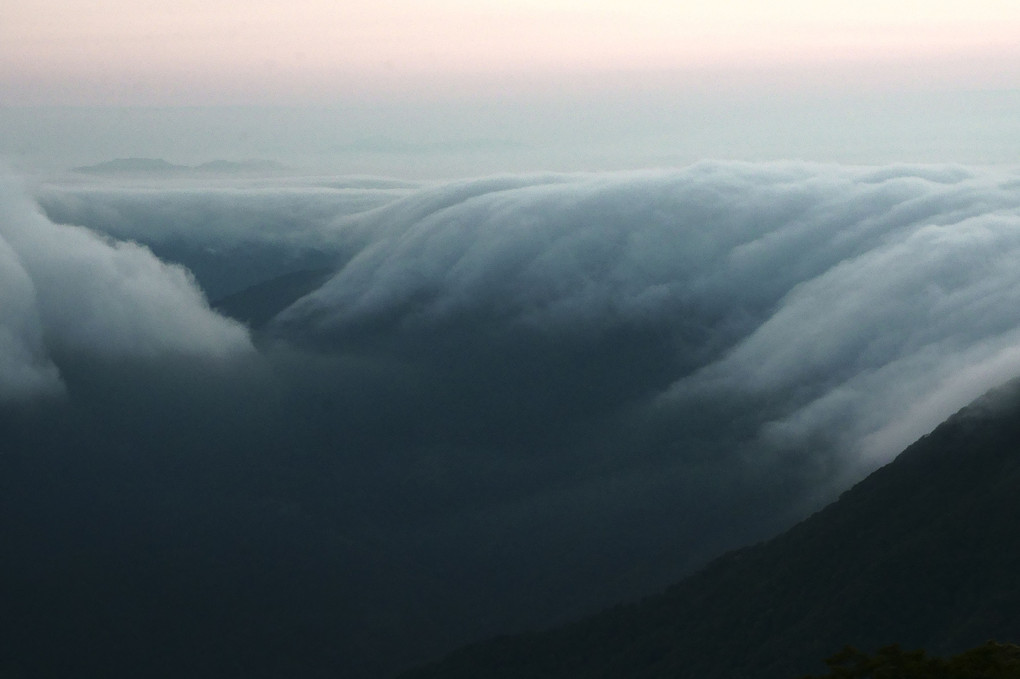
(924, 552)
(254, 306)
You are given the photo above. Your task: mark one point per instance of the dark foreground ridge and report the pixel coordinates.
(991, 660)
(925, 553)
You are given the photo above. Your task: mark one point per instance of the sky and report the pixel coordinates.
(482, 87)
(193, 53)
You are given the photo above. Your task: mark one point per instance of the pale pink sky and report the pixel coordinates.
(195, 52)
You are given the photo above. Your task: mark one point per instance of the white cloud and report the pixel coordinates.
(69, 291)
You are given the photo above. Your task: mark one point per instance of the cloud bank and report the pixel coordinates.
(771, 329)
(230, 233)
(70, 292)
(860, 300)
(513, 400)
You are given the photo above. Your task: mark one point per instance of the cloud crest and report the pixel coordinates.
(831, 293)
(71, 292)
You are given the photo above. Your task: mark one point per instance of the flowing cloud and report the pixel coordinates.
(70, 292)
(723, 321)
(231, 233)
(515, 399)
(840, 299)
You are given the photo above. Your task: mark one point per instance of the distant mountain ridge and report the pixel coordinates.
(384, 144)
(925, 552)
(158, 166)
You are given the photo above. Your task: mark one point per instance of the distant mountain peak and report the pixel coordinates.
(159, 166)
(125, 165)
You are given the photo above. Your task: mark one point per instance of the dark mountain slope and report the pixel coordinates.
(925, 552)
(255, 305)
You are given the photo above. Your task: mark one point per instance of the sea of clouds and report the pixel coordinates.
(510, 399)
(865, 304)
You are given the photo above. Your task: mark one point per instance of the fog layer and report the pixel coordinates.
(467, 407)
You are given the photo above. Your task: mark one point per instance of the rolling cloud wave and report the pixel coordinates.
(872, 296)
(68, 290)
(514, 400)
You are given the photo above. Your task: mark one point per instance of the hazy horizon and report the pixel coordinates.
(449, 89)
(464, 139)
